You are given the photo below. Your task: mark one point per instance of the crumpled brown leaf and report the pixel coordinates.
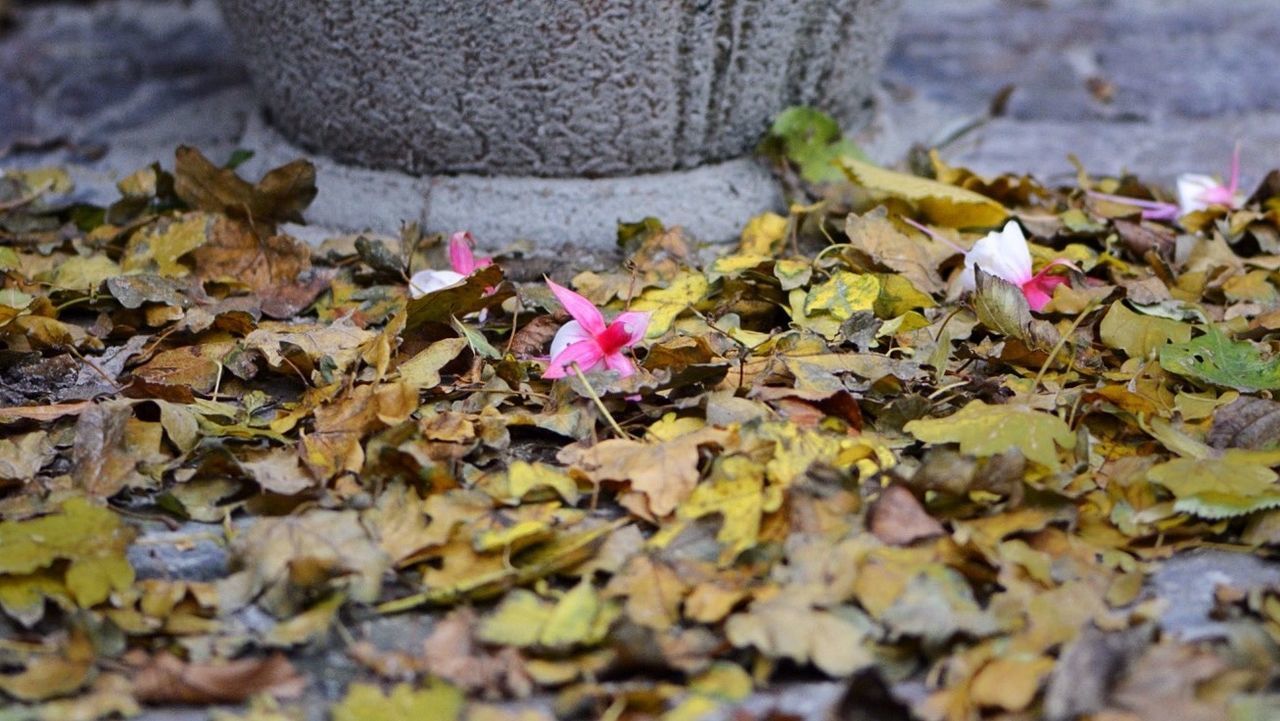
(281, 195)
(165, 678)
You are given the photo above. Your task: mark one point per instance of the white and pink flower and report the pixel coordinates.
(461, 257)
(590, 343)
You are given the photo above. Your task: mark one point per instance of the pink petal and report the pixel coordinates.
(586, 354)
(620, 364)
(1039, 290)
(568, 334)
(460, 255)
(637, 324)
(1151, 209)
(581, 309)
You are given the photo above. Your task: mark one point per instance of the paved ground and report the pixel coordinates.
(1155, 87)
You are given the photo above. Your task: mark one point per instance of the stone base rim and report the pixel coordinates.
(712, 202)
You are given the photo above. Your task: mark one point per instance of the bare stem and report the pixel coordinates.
(599, 403)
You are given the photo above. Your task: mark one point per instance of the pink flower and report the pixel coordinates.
(1005, 255)
(589, 342)
(1199, 192)
(464, 263)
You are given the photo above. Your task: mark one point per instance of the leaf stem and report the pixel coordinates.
(1062, 341)
(599, 403)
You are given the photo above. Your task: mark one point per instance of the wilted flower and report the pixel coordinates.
(589, 342)
(1005, 255)
(464, 263)
(1198, 192)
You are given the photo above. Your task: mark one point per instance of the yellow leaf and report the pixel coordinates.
(664, 304)
(763, 234)
(1010, 683)
(438, 701)
(843, 295)
(942, 204)
(1138, 335)
(158, 247)
(736, 491)
(90, 538)
(983, 430)
(523, 477)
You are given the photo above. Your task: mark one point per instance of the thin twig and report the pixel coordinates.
(599, 403)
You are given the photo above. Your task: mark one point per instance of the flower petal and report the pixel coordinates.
(1191, 190)
(1151, 209)
(429, 281)
(636, 323)
(568, 334)
(1003, 254)
(586, 354)
(580, 308)
(461, 257)
(620, 364)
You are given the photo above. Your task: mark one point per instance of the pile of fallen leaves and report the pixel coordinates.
(834, 459)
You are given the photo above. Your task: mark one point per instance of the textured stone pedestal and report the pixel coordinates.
(550, 120)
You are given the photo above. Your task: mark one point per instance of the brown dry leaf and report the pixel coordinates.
(165, 678)
(664, 472)
(281, 195)
(653, 590)
(285, 561)
(453, 653)
(335, 444)
(180, 373)
(104, 460)
(916, 257)
(898, 519)
(277, 268)
(22, 457)
(279, 471)
(44, 413)
(55, 674)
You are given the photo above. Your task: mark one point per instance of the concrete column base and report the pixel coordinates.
(712, 202)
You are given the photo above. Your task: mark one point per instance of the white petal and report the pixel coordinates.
(429, 281)
(568, 334)
(1003, 254)
(1191, 187)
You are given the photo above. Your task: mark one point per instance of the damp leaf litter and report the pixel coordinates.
(927, 434)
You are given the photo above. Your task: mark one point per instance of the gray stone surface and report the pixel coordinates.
(553, 88)
(1188, 79)
(1187, 584)
(113, 85)
(193, 552)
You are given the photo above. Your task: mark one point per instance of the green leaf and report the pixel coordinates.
(1215, 358)
(941, 204)
(479, 344)
(812, 140)
(983, 430)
